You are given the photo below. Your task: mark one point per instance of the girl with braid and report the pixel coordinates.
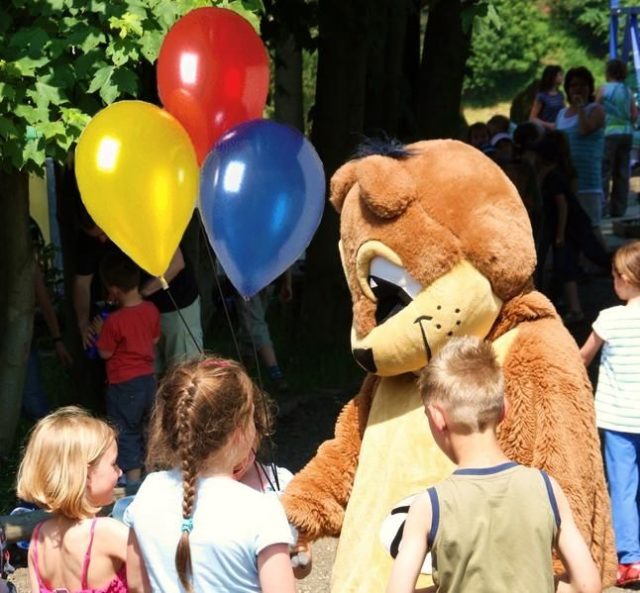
(197, 528)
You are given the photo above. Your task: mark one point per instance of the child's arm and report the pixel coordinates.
(582, 572)
(274, 570)
(413, 547)
(590, 348)
(105, 343)
(137, 577)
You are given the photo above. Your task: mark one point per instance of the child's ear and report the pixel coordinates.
(506, 408)
(437, 416)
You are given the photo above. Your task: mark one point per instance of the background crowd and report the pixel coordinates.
(571, 164)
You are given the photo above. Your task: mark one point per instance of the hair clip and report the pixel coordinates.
(216, 363)
(187, 525)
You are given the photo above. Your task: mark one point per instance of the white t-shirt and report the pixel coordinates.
(618, 390)
(269, 481)
(232, 524)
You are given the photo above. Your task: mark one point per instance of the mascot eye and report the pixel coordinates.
(390, 297)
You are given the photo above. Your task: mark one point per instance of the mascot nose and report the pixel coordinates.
(364, 357)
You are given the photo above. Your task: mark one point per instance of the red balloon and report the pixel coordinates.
(213, 74)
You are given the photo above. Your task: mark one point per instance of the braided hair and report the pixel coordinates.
(200, 404)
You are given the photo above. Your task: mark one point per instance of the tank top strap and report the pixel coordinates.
(87, 554)
(34, 545)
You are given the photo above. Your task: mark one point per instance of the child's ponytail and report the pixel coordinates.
(189, 475)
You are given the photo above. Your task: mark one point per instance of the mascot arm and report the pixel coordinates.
(551, 425)
(317, 496)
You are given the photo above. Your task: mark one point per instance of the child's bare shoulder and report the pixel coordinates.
(112, 536)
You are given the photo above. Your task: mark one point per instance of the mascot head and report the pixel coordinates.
(434, 240)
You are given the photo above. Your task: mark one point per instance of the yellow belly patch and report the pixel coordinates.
(398, 457)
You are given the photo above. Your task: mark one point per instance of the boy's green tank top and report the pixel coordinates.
(493, 531)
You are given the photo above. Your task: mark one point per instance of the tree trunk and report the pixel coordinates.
(361, 87)
(386, 85)
(17, 296)
(445, 53)
(338, 119)
(288, 84)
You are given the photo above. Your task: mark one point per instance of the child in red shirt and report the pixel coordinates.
(126, 343)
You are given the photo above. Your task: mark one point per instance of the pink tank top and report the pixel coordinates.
(117, 585)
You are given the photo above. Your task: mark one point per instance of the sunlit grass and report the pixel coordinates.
(476, 114)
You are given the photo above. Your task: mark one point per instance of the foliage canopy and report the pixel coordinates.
(63, 60)
(511, 49)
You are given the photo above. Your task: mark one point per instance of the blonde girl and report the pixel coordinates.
(199, 529)
(69, 468)
(617, 332)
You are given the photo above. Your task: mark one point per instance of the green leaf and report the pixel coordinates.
(31, 41)
(32, 115)
(237, 6)
(100, 79)
(121, 52)
(51, 129)
(88, 62)
(7, 128)
(126, 81)
(48, 94)
(493, 17)
(56, 5)
(7, 92)
(74, 117)
(151, 42)
(33, 151)
(167, 13)
(98, 6)
(63, 76)
(27, 66)
(12, 152)
(109, 93)
(86, 37)
(128, 24)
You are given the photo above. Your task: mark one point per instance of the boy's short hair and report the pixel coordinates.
(466, 379)
(61, 449)
(119, 271)
(626, 260)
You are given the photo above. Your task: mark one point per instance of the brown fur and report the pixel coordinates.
(444, 204)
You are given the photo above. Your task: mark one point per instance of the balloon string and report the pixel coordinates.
(165, 286)
(219, 287)
(270, 444)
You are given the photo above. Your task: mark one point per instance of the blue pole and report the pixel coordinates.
(635, 47)
(613, 29)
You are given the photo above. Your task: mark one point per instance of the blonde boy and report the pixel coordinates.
(492, 525)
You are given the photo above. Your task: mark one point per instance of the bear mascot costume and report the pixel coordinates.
(435, 242)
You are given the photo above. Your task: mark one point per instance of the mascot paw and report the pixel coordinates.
(301, 562)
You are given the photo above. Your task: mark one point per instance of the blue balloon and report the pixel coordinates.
(262, 192)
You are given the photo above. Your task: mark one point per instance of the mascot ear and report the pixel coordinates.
(341, 182)
(387, 189)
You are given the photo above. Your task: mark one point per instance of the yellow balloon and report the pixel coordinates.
(138, 178)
